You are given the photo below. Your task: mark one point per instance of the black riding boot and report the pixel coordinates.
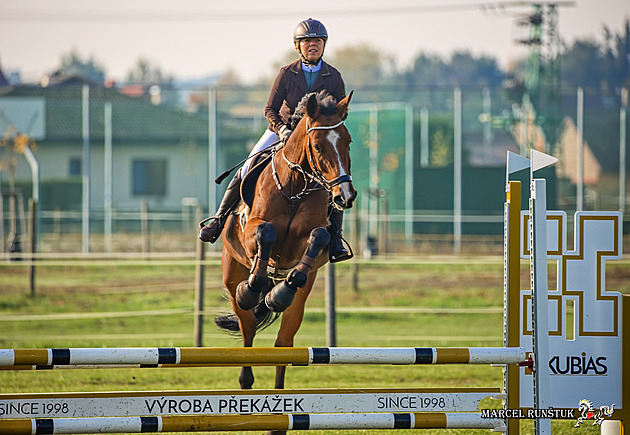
(231, 197)
(337, 251)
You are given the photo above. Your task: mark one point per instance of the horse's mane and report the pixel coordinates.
(327, 106)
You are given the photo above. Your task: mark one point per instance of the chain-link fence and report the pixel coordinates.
(132, 169)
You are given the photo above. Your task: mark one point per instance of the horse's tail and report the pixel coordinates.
(263, 315)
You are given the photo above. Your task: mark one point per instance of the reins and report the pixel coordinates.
(293, 166)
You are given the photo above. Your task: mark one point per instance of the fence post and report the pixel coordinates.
(622, 151)
(331, 324)
(2, 241)
(457, 171)
(199, 293)
(85, 168)
(144, 222)
(32, 209)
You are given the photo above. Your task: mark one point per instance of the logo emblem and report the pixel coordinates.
(589, 413)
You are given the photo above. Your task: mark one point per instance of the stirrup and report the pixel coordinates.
(343, 257)
(203, 222)
(220, 222)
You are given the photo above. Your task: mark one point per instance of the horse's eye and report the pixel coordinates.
(317, 148)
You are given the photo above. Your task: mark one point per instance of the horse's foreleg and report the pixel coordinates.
(282, 295)
(291, 321)
(249, 292)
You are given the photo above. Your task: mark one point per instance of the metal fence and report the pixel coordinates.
(428, 163)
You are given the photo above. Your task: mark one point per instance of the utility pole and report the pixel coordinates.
(542, 77)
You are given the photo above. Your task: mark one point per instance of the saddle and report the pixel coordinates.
(248, 185)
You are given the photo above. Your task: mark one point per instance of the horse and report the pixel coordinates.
(273, 246)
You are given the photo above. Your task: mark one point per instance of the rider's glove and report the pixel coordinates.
(284, 133)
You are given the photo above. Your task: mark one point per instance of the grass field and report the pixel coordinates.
(129, 303)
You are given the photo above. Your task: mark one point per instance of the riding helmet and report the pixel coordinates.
(310, 28)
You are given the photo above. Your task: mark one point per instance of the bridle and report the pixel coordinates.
(328, 184)
(316, 176)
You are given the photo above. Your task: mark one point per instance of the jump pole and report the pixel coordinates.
(236, 356)
(540, 289)
(511, 292)
(439, 420)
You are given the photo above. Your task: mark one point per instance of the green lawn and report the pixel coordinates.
(88, 304)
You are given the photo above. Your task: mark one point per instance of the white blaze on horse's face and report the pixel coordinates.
(333, 138)
(345, 191)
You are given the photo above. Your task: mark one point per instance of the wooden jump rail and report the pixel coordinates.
(436, 420)
(174, 356)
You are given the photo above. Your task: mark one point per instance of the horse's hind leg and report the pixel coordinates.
(281, 296)
(249, 293)
(234, 272)
(248, 329)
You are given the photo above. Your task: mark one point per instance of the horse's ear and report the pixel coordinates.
(342, 106)
(312, 107)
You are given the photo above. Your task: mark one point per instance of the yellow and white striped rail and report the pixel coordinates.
(438, 420)
(235, 356)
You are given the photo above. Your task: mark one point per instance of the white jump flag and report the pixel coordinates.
(515, 163)
(541, 160)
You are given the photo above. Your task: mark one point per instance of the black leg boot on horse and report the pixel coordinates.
(281, 296)
(211, 232)
(339, 249)
(249, 293)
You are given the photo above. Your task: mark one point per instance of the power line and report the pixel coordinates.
(55, 15)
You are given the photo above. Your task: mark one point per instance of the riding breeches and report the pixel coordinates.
(267, 139)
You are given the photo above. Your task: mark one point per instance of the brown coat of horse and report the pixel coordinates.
(285, 228)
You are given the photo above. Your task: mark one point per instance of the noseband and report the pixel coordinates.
(317, 175)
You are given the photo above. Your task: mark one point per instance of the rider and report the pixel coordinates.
(308, 74)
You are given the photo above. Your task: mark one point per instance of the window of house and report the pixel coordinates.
(149, 177)
(74, 167)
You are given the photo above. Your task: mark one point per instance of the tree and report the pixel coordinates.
(12, 144)
(362, 65)
(583, 64)
(146, 72)
(590, 63)
(465, 69)
(426, 70)
(73, 66)
(229, 78)
(461, 69)
(618, 55)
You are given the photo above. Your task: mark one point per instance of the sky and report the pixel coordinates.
(190, 39)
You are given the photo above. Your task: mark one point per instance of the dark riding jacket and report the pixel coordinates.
(290, 86)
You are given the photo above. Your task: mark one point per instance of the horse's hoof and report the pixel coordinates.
(246, 297)
(280, 297)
